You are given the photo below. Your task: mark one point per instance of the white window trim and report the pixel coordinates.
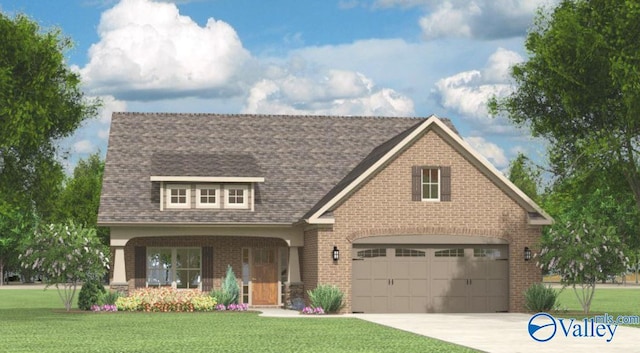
(422, 184)
(215, 187)
(178, 205)
(245, 199)
(174, 268)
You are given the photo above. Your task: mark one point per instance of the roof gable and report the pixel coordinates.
(320, 213)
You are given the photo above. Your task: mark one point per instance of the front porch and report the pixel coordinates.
(267, 267)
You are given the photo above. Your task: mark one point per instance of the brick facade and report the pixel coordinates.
(383, 206)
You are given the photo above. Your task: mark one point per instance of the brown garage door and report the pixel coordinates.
(455, 278)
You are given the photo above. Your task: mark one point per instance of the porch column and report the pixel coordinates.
(294, 289)
(119, 269)
(294, 265)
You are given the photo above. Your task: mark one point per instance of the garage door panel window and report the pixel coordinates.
(369, 253)
(458, 252)
(488, 253)
(401, 252)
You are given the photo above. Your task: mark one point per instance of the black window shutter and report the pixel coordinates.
(207, 268)
(416, 183)
(445, 180)
(140, 259)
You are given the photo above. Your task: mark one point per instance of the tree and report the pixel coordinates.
(13, 224)
(580, 88)
(65, 254)
(583, 254)
(525, 176)
(584, 246)
(40, 103)
(80, 197)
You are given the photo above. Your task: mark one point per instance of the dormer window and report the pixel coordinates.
(236, 196)
(208, 196)
(178, 196)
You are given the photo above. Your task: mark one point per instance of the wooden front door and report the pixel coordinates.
(264, 276)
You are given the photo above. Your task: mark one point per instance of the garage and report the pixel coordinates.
(434, 278)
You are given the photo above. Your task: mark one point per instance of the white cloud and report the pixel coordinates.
(472, 18)
(148, 50)
(83, 146)
(110, 105)
(468, 92)
(337, 92)
(489, 150)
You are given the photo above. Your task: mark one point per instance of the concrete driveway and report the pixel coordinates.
(507, 333)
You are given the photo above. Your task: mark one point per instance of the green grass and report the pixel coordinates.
(613, 301)
(35, 321)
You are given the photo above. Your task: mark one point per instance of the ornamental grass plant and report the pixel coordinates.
(327, 297)
(540, 298)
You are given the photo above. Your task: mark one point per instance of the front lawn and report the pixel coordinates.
(613, 301)
(35, 321)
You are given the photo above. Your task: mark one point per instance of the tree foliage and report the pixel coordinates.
(80, 198)
(13, 224)
(65, 254)
(525, 176)
(580, 87)
(40, 103)
(584, 246)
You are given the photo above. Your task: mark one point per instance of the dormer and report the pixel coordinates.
(206, 181)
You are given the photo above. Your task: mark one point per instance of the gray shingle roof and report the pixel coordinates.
(302, 158)
(204, 164)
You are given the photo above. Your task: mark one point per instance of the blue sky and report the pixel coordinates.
(337, 57)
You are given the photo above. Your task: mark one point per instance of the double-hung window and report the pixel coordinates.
(431, 183)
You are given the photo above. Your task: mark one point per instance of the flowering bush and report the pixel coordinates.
(313, 311)
(232, 307)
(166, 299)
(106, 307)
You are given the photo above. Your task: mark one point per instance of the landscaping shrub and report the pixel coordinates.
(166, 300)
(110, 297)
(222, 297)
(230, 291)
(327, 297)
(539, 298)
(91, 293)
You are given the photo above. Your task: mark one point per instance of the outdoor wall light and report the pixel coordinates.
(335, 253)
(527, 254)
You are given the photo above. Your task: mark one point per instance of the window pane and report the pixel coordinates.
(179, 196)
(194, 258)
(433, 191)
(159, 267)
(426, 176)
(434, 175)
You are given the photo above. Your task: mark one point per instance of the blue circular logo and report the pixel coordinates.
(542, 327)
